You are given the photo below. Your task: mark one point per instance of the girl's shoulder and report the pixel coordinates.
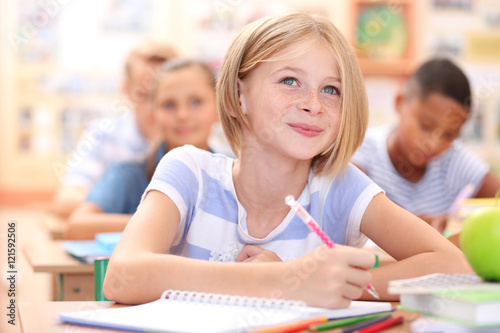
(196, 158)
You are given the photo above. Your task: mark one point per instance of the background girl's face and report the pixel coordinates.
(293, 102)
(185, 107)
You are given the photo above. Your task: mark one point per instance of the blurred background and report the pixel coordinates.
(61, 64)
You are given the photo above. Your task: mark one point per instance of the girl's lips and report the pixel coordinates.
(184, 131)
(306, 129)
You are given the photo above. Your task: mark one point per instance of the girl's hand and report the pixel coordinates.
(254, 253)
(329, 277)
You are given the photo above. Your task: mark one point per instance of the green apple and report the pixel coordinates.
(480, 241)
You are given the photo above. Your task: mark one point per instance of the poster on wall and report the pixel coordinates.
(384, 36)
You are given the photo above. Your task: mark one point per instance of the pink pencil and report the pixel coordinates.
(313, 225)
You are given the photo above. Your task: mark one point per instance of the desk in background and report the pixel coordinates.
(43, 317)
(74, 280)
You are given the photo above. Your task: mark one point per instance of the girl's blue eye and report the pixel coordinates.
(168, 106)
(195, 102)
(330, 90)
(289, 81)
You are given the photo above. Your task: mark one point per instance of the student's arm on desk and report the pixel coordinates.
(490, 186)
(64, 201)
(418, 248)
(88, 220)
(140, 268)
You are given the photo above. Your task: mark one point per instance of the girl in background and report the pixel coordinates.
(183, 96)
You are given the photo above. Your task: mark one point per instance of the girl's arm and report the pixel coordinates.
(418, 248)
(140, 268)
(88, 220)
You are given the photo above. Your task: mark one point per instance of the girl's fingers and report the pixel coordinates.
(361, 259)
(358, 277)
(352, 291)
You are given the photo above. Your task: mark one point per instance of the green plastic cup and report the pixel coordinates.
(100, 267)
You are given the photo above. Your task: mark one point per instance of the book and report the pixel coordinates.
(433, 283)
(184, 311)
(468, 206)
(434, 325)
(88, 250)
(476, 308)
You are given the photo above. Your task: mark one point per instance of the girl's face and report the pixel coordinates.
(294, 105)
(185, 107)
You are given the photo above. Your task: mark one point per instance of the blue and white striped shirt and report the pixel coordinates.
(445, 176)
(213, 222)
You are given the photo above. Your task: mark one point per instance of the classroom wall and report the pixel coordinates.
(36, 89)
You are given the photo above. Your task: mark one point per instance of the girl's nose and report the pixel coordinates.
(310, 102)
(182, 112)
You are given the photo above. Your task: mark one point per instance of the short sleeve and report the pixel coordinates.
(346, 204)
(466, 168)
(178, 177)
(104, 142)
(120, 189)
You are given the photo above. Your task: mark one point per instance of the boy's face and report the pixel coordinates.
(185, 107)
(137, 90)
(427, 126)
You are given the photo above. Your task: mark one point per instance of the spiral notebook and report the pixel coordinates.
(183, 311)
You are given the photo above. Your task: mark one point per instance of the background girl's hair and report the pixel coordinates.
(258, 42)
(177, 64)
(440, 76)
(169, 67)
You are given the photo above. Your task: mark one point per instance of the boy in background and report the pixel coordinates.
(126, 137)
(419, 162)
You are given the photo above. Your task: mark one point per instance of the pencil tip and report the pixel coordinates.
(373, 292)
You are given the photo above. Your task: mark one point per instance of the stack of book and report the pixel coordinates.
(451, 302)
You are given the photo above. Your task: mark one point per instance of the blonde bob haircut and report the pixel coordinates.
(258, 42)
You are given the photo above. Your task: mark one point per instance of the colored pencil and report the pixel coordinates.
(344, 322)
(293, 327)
(381, 325)
(363, 324)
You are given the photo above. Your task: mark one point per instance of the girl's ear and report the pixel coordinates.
(242, 95)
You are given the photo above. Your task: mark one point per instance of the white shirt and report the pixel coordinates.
(213, 222)
(105, 142)
(445, 176)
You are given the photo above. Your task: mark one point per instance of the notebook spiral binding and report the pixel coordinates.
(230, 300)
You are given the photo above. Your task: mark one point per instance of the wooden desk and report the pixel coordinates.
(74, 280)
(43, 317)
